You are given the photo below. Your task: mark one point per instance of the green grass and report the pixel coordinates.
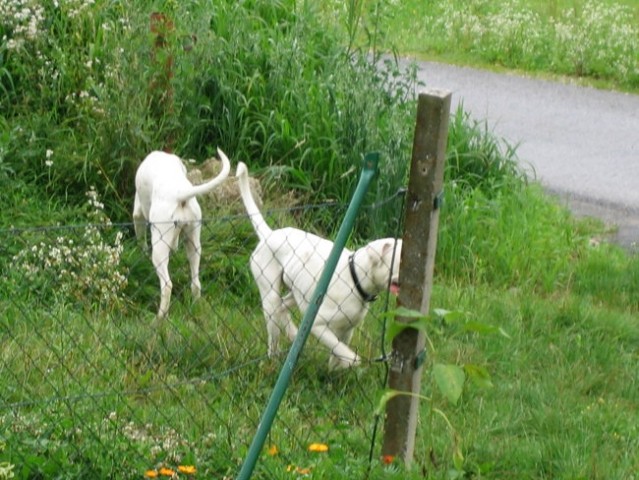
(562, 405)
(92, 386)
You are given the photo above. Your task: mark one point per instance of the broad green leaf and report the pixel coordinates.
(478, 375)
(395, 328)
(450, 380)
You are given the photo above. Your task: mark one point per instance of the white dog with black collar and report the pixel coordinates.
(287, 264)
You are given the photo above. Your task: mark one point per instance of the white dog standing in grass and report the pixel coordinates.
(290, 260)
(165, 199)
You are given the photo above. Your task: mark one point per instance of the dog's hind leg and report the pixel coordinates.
(268, 277)
(139, 220)
(273, 311)
(193, 253)
(286, 324)
(160, 257)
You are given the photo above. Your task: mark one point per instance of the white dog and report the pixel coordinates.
(165, 199)
(290, 260)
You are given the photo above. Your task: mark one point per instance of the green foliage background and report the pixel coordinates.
(264, 81)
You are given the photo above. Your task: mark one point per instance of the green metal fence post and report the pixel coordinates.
(370, 169)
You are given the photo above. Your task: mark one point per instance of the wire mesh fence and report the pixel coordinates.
(94, 385)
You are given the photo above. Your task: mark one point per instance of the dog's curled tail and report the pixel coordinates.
(211, 184)
(259, 224)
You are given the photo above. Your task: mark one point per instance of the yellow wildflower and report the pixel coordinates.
(187, 469)
(318, 447)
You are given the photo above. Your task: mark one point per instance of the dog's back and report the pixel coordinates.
(158, 179)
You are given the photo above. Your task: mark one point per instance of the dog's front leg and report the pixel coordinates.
(341, 355)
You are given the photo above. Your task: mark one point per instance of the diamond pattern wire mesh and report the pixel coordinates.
(92, 384)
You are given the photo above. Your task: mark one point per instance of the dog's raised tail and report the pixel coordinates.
(211, 184)
(259, 224)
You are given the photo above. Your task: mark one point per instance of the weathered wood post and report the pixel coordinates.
(417, 263)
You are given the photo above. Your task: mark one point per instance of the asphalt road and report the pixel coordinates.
(581, 143)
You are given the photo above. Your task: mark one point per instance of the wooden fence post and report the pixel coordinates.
(417, 263)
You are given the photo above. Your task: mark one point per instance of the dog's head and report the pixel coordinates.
(385, 255)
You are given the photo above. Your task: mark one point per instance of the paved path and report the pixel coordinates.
(582, 143)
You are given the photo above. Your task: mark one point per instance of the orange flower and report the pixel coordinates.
(166, 472)
(187, 469)
(151, 474)
(272, 450)
(388, 459)
(318, 447)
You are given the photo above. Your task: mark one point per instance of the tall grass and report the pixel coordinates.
(265, 81)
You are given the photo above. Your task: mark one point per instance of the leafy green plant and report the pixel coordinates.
(449, 378)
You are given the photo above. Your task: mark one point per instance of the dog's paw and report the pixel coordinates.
(340, 363)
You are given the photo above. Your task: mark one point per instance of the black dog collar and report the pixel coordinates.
(351, 266)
